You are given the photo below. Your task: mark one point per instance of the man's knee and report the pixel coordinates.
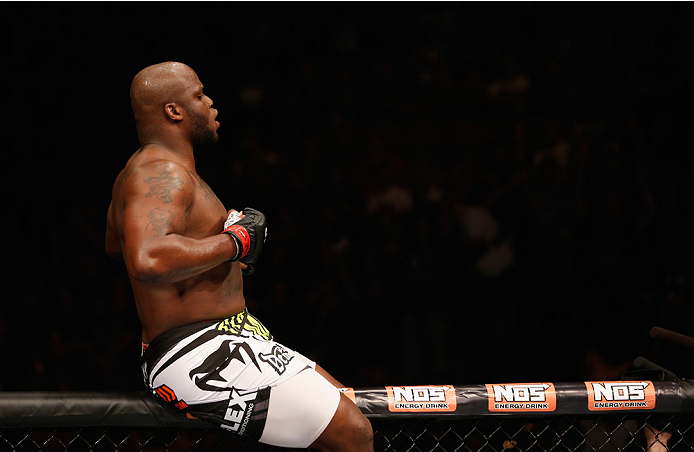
(359, 429)
(364, 431)
(349, 430)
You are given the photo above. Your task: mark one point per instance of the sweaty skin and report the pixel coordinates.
(164, 221)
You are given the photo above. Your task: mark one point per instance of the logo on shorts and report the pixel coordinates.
(278, 358)
(219, 360)
(239, 411)
(521, 397)
(421, 399)
(243, 321)
(169, 396)
(620, 395)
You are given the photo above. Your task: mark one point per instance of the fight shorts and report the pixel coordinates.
(232, 374)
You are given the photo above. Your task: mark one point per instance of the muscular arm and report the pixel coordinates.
(157, 198)
(112, 244)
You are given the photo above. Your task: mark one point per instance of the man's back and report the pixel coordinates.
(158, 202)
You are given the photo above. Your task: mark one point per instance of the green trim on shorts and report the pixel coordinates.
(243, 321)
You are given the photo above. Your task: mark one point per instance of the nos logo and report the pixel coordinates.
(521, 397)
(620, 395)
(421, 398)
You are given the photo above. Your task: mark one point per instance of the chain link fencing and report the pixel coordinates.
(636, 415)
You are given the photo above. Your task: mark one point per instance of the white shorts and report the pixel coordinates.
(232, 374)
(300, 409)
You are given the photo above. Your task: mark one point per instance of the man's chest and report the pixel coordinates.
(206, 214)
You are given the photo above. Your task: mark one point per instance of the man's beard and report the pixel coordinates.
(202, 134)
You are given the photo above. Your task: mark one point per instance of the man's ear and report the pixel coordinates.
(173, 111)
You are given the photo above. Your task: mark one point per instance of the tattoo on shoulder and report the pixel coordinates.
(159, 219)
(162, 185)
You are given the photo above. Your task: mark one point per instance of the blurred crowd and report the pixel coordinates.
(439, 212)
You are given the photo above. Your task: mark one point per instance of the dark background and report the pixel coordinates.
(456, 192)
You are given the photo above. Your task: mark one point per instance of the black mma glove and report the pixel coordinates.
(249, 233)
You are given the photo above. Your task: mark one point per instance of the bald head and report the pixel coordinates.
(170, 107)
(159, 84)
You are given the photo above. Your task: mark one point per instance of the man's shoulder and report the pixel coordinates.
(152, 172)
(149, 165)
(154, 158)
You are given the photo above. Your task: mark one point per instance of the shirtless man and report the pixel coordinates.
(186, 255)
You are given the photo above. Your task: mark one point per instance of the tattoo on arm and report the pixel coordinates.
(159, 220)
(161, 186)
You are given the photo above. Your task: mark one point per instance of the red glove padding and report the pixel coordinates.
(248, 232)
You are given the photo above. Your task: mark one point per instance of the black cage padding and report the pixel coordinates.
(404, 418)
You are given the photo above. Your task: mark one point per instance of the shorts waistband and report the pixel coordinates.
(166, 340)
(242, 323)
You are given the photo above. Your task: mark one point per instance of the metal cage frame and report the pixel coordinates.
(639, 415)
